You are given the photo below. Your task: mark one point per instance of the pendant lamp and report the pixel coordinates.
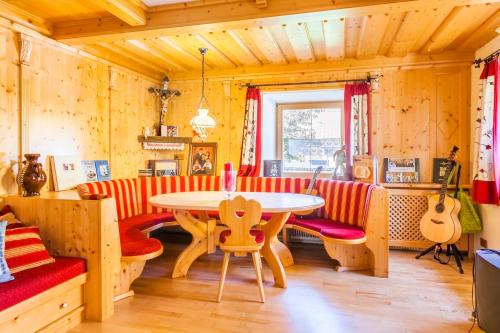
(202, 121)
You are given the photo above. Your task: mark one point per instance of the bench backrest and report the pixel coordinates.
(345, 202)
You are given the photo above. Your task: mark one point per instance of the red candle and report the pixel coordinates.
(228, 166)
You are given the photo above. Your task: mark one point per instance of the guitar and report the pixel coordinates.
(440, 223)
(311, 190)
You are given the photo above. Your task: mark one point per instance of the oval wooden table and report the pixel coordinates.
(191, 210)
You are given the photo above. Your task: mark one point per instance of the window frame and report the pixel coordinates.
(298, 106)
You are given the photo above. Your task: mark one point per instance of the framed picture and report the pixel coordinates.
(89, 170)
(272, 168)
(401, 170)
(439, 169)
(169, 131)
(102, 168)
(202, 158)
(164, 167)
(66, 172)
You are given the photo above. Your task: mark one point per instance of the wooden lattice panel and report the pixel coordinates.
(405, 213)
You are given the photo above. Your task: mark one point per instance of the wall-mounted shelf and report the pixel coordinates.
(426, 186)
(165, 139)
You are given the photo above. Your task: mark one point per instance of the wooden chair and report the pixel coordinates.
(241, 239)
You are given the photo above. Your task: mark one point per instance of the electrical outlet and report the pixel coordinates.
(483, 242)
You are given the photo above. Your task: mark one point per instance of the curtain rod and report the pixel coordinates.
(368, 79)
(489, 57)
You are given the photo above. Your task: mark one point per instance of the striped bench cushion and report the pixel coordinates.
(124, 191)
(345, 202)
(151, 186)
(24, 249)
(4, 269)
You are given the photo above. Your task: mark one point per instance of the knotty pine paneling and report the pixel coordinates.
(418, 112)
(9, 115)
(68, 111)
(132, 108)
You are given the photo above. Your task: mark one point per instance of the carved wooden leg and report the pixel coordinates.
(128, 273)
(275, 252)
(225, 263)
(350, 257)
(199, 245)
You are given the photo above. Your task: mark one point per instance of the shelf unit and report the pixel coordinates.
(165, 139)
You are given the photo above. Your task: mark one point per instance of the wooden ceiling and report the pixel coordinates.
(246, 35)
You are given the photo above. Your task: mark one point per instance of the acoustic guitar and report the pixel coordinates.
(311, 190)
(440, 223)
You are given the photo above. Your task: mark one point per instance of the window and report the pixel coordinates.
(310, 135)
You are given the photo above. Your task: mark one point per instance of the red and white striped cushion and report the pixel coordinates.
(124, 191)
(345, 202)
(24, 249)
(263, 184)
(151, 186)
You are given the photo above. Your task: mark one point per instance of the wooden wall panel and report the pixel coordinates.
(132, 108)
(417, 112)
(68, 105)
(9, 112)
(69, 108)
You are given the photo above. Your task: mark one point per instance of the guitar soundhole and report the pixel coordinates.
(439, 207)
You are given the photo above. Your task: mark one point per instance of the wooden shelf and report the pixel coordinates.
(167, 139)
(421, 186)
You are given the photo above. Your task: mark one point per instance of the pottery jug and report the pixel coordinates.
(32, 177)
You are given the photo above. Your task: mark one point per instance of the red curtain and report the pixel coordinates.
(251, 149)
(357, 124)
(486, 183)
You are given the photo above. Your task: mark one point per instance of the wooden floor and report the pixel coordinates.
(419, 296)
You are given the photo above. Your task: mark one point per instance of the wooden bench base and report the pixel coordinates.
(368, 253)
(55, 310)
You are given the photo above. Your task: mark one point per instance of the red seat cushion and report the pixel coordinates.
(316, 224)
(329, 228)
(34, 281)
(146, 221)
(343, 231)
(258, 234)
(135, 243)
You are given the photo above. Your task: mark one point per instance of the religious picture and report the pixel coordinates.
(203, 158)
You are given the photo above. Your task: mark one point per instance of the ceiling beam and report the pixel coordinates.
(483, 34)
(273, 71)
(24, 18)
(125, 10)
(234, 15)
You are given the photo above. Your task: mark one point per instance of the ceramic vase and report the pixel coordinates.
(32, 177)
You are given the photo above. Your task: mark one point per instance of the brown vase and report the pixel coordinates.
(32, 177)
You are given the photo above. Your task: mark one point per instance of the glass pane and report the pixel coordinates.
(310, 138)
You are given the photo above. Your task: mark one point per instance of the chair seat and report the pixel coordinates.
(135, 243)
(258, 234)
(146, 221)
(329, 228)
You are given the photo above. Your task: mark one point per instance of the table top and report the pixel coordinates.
(209, 200)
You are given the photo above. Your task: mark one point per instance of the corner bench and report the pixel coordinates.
(353, 224)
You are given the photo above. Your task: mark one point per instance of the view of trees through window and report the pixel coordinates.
(310, 137)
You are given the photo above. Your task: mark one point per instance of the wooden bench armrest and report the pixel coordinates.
(79, 228)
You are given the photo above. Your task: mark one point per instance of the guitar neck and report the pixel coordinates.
(313, 180)
(444, 183)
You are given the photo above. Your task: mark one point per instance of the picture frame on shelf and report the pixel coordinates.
(202, 158)
(401, 170)
(89, 171)
(272, 168)
(170, 131)
(103, 171)
(168, 167)
(439, 169)
(66, 171)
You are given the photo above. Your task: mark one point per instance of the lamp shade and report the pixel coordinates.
(202, 120)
